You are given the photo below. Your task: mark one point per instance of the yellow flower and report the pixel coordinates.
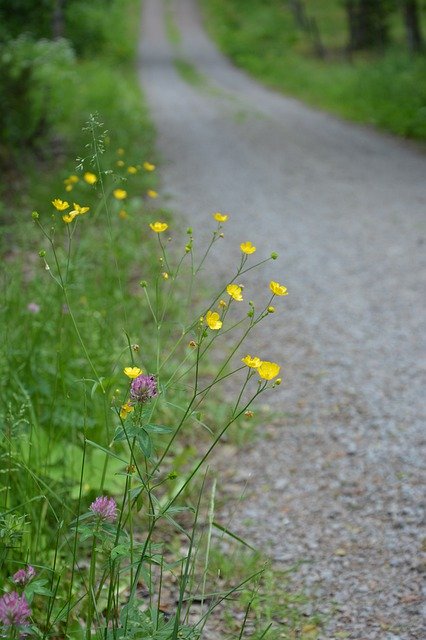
(90, 178)
(234, 291)
(252, 362)
(220, 217)
(80, 210)
(268, 370)
(120, 163)
(125, 410)
(120, 194)
(159, 227)
(70, 182)
(165, 275)
(148, 166)
(222, 303)
(152, 194)
(60, 205)
(278, 289)
(247, 247)
(132, 170)
(132, 372)
(213, 320)
(69, 217)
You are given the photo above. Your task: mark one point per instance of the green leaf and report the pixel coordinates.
(158, 428)
(145, 443)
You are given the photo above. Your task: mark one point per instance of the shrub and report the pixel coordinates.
(33, 79)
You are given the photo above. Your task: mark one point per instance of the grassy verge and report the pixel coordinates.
(101, 508)
(386, 90)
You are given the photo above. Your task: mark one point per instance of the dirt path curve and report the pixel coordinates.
(337, 480)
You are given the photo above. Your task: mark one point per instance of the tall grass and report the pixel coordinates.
(102, 369)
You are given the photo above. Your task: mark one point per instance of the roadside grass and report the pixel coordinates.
(82, 300)
(385, 89)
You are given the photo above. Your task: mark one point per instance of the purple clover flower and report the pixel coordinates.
(23, 576)
(105, 508)
(14, 610)
(143, 388)
(33, 307)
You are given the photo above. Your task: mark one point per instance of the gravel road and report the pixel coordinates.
(338, 480)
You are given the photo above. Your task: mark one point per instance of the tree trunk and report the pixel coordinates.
(367, 22)
(410, 9)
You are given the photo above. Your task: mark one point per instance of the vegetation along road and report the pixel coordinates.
(337, 480)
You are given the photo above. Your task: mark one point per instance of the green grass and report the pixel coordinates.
(386, 90)
(79, 303)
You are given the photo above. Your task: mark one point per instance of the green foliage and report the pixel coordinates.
(90, 25)
(386, 90)
(26, 16)
(33, 77)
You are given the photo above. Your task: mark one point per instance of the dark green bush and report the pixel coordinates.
(35, 77)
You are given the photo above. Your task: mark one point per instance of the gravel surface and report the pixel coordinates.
(338, 478)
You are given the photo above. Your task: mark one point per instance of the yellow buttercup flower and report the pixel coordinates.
(69, 217)
(252, 362)
(80, 210)
(90, 178)
(132, 170)
(60, 205)
(247, 247)
(220, 217)
(165, 275)
(213, 320)
(120, 194)
(148, 166)
(152, 194)
(159, 227)
(125, 409)
(268, 370)
(132, 372)
(234, 291)
(278, 289)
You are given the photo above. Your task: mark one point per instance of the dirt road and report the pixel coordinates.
(339, 479)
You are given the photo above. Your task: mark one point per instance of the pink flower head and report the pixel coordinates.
(14, 609)
(105, 508)
(143, 388)
(33, 307)
(23, 576)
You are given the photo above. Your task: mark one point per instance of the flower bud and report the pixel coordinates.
(143, 284)
(271, 309)
(274, 255)
(135, 347)
(42, 253)
(248, 413)
(189, 231)
(35, 215)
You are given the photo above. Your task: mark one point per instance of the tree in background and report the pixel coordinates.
(368, 23)
(411, 13)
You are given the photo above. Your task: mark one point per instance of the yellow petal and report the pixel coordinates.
(268, 370)
(120, 194)
(278, 289)
(132, 372)
(247, 247)
(220, 217)
(159, 227)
